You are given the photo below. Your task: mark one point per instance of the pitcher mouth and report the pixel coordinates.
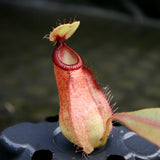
(65, 57)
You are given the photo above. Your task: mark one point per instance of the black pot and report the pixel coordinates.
(45, 141)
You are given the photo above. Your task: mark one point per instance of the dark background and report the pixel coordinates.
(118, 40)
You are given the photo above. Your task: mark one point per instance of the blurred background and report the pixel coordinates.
(119, 41)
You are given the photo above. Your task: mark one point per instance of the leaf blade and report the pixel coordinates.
(145, 122)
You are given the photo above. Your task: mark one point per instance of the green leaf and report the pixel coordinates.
(145, 122)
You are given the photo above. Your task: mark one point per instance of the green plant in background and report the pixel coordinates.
(85, 115)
